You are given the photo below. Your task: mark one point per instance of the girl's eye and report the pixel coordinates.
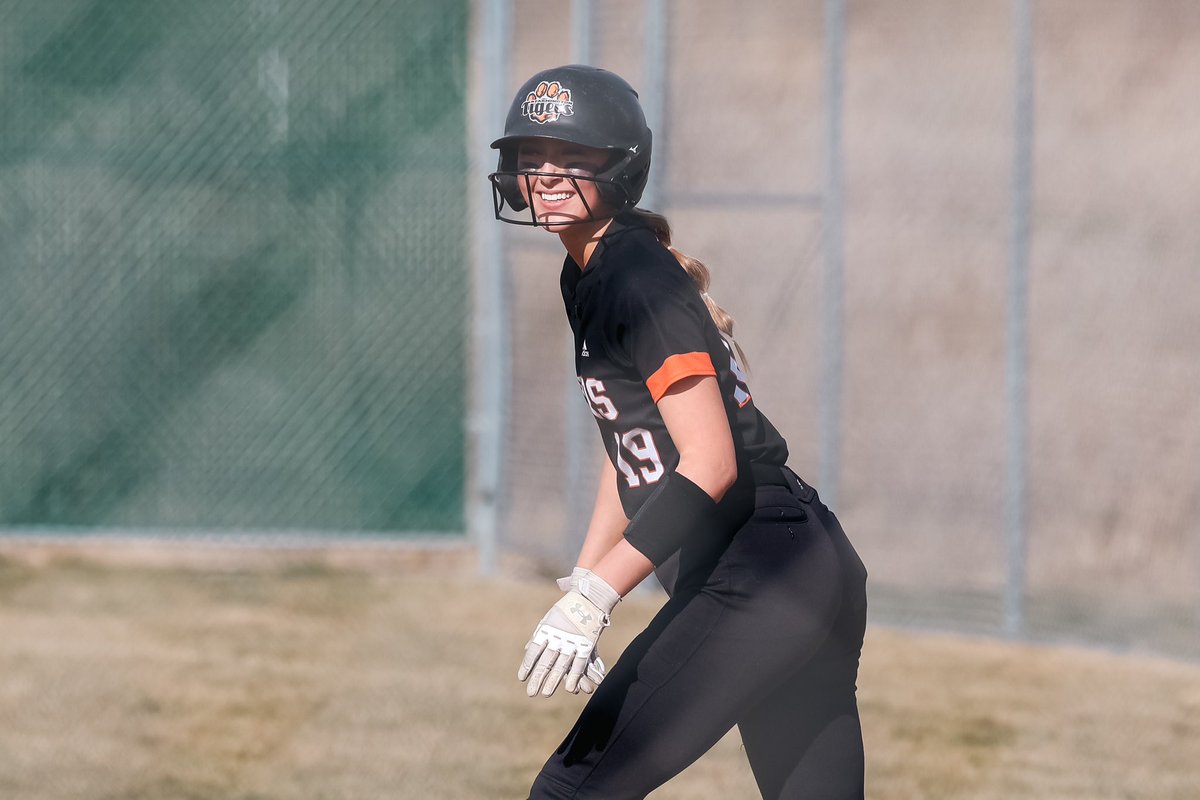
(577, 168)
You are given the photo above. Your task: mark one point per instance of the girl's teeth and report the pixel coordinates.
(556, 196)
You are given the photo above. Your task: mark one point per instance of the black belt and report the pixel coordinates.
(774, 475)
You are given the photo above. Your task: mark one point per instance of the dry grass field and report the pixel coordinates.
(157, 672)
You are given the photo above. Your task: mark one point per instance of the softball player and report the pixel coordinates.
(767, 608)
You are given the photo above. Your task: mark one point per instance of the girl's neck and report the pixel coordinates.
(581, 240)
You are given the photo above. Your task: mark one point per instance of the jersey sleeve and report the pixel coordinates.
(661, 330)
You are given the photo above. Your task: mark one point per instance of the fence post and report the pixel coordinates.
(653, 93)
(578, 422)
(489, 316)
(1017, 361)
(581, 31)
(829, 467)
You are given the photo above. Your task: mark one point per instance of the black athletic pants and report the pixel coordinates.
(768, 641)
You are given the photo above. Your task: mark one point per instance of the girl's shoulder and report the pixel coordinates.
(636, 263)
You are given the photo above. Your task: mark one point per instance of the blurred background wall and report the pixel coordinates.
(1113, 317)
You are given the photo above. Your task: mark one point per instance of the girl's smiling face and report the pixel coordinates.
(559, 182)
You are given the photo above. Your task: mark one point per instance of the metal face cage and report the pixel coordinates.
(506, 195)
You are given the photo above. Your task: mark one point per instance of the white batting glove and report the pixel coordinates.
(596, 670)
(565, 639)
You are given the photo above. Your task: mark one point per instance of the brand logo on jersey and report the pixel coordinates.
(549, 101)
(584, 353)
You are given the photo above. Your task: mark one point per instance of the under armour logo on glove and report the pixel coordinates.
(579, 611)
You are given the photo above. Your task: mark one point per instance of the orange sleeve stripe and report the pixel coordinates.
(676, 367)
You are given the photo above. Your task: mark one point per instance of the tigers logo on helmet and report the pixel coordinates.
(549, 101)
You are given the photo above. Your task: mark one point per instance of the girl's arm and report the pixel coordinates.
(608, 522)
(695, 417)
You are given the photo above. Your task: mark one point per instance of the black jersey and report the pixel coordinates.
(640, 325)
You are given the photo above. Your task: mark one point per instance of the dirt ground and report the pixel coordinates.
(168, 672)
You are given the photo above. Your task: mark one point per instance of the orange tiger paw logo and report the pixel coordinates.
(549, 101)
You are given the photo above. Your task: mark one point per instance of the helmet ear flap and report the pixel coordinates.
(613, 194)
(618, 187)
(510, 190)
(507, 185)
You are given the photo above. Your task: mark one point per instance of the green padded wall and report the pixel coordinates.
(233, 279)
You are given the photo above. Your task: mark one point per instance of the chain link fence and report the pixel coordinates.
(1113, 501)
(233, 288)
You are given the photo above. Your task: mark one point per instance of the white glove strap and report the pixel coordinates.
(596, 589)
(571, 581)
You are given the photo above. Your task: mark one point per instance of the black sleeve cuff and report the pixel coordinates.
(679, 511)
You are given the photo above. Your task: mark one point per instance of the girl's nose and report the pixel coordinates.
(553, 175)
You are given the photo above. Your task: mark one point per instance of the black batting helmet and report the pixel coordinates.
(583, 105)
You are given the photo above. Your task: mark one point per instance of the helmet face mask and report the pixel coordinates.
(579, 105)
(507, 192)
(511, 187)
